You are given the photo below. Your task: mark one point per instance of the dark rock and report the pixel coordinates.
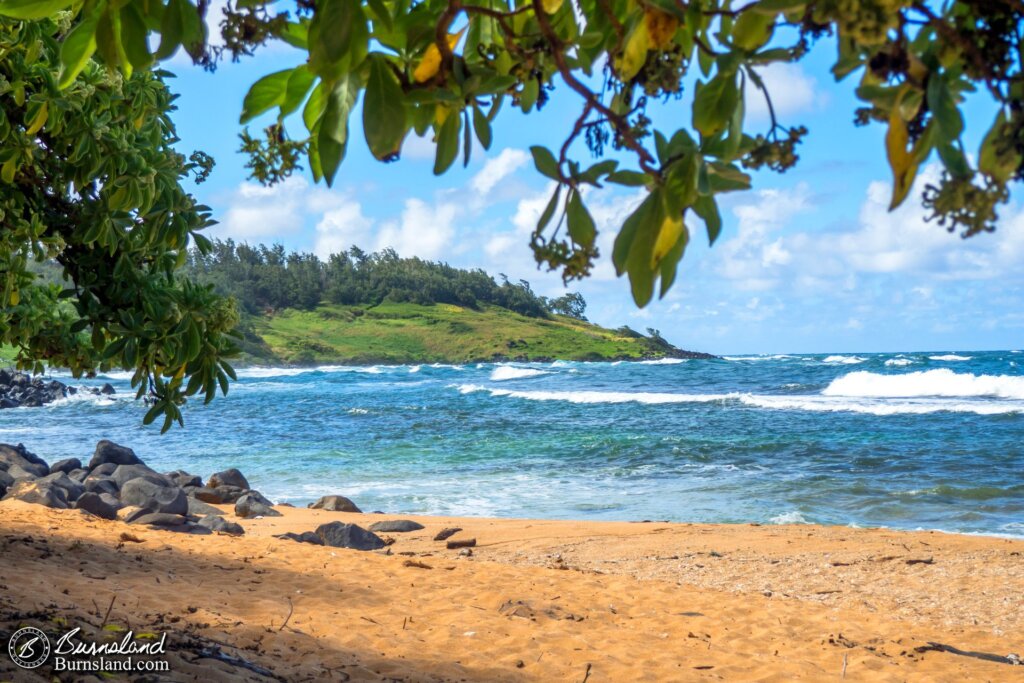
(94, 504)
(207, 495)
(122, 474)
(153, 497)
(338, 535)
(464, 543)
(198, 508)
(183, 478)
(31, 491)
(229, 477)
(111, 500)
(102, 471)
(256, 495)
(445, 534)
(221, 525)
(7, 402)
(19, 472)
(101, 485)
(335, 504)
(79, 475)
(252, 505)
(71, 487)
(161, 519)
(66, 466)
(6, 480)
(108, 452)
(107, 389)
(134, 513)
(304, 537)
(396, 526)
(22, 457)
(230, 494)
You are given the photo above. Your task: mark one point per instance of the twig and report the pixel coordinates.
(587, 674)
(291, 608)
(110, 607)
(844, 666)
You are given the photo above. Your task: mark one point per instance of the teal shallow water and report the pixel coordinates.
(914, 440)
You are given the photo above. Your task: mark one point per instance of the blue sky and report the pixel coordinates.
(809, 261)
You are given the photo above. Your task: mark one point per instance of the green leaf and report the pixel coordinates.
(773, 7)
(338, 38)
(580, 223)
(314, 108)
(264, 94)
(545, 162)
(549, 210)
(134, 37)
(707, 208)
(332, 138)
(628, 178)
(998, 156)
(482, 127)
(943, 106)
(384, 116)
(78, 48)
(714, 104)
(299, 84)
(32, 9)
(447, 143)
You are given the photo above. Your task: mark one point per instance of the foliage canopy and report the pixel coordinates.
(87, 152)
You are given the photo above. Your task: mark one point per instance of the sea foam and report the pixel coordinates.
(844, 360)
(949, 357)
(598, 396)
(504, 372)
(943, 382)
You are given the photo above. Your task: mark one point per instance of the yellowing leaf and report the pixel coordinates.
(441, 112)
(431, 62)
(661, 27)
(39, 120)
(15, 297)
(671, 230)
(551, 6)
(10, 167)
(902, 162)
(634, 54)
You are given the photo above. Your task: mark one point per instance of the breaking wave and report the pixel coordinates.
(505, 372)
(944, 383)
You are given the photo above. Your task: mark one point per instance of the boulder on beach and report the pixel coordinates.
(154, 497)
(66, 466)
(72, 488)
(335, 504)
(101, 485)
(253, 504)
(160, 519)
(19, 390)
(183, 478)
(396, 526)
(31, 491)
(220, 525)
(304, 537)
(122, 474)
(338, 535)
(229, 477)
(94, 504)
(11, 456)
(198, 508)
(108, 452)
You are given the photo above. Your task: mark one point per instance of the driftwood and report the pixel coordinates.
(465, 543)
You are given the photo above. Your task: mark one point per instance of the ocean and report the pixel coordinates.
(908, 440)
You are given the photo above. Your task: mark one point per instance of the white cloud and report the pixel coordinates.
(792, 91)
(341, 228)
(259, 213)
(424, 230)
(497, 169)
(767, 253)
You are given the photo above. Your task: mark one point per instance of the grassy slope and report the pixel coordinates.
(410, 333)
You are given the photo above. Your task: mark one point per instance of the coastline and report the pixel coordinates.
(536, 600)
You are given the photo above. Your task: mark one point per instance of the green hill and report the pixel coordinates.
(438, 333)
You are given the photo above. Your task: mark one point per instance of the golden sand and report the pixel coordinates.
(536, 600)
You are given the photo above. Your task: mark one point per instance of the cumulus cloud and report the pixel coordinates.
(497, 169)
(792, 91)
(258, 213)
(765, 253)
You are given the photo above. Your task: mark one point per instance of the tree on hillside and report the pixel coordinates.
(444, 69)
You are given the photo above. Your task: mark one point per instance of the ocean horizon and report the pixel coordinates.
(911, 440)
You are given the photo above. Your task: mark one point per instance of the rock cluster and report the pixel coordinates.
(115, 482)
(20, 390)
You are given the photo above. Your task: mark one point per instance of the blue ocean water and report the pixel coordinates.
(912, 440)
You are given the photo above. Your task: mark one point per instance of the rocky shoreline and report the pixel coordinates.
(21, 390)
(115, 484)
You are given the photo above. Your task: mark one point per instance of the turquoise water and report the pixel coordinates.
(914, 440)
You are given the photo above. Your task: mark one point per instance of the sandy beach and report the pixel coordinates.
(536, 600)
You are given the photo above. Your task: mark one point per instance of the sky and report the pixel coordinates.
(810, 261)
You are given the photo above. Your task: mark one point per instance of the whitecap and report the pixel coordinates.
(943, 382)
(792, 517)
(649, 398)
(663, 361)
(881, 407)
(899, 362)
(778, 356)
(844, 360)
(949, 357)
(506, 372)
(414, 368)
